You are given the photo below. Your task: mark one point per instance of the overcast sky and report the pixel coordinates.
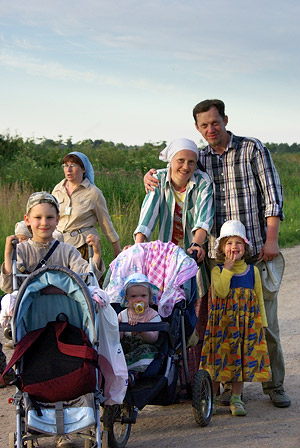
(131, 71)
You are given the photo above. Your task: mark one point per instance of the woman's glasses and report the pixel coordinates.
(72, 165)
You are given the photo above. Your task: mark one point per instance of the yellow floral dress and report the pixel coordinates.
(235, 347)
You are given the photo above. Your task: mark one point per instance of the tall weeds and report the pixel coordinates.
(13, 199)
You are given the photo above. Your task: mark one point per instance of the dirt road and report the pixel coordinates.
(265, 426)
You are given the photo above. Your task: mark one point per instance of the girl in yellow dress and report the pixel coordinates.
(235, 348)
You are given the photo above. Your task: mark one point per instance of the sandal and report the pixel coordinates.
(237, 406)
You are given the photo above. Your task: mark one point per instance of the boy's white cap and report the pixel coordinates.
(21, 229)
(232, 228)
(138, 279)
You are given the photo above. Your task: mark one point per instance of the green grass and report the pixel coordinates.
(25, 168)
(288, 166)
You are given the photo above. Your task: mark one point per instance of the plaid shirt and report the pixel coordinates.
(246, 187)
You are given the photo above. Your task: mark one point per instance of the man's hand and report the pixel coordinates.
(150, 182)
(269, 251)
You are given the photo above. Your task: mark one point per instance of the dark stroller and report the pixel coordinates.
(56, 297)
(158, 385)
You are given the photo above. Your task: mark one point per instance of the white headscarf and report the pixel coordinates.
(177, 145)
(21, 229)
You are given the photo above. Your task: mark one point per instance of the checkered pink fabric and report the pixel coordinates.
(166, 265)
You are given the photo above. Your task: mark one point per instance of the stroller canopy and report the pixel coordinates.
(34, 308)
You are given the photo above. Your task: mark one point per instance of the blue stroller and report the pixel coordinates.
(158, 384)
(50, 298)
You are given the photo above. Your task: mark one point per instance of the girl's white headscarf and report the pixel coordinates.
(177, 145)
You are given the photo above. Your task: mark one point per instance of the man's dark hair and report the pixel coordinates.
(206, 105)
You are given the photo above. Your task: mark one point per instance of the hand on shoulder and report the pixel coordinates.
(150, 182)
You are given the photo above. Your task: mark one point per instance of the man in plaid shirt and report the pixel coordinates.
(247, 188)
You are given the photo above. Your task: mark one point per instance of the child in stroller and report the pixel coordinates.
(173, 273)
(22, 234)
(139, 349)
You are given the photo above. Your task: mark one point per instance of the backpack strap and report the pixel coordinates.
(79, 351)
(42, 262)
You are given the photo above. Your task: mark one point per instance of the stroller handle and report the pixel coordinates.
(90, 251)
(14, 254)
(14, 264)
(194, 255)
(90, 255)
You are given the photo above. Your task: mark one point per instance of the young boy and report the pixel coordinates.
(41, 218)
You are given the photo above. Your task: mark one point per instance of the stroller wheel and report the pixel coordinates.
(118, 431)
(202, 398)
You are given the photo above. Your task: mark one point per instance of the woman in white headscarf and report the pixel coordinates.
(82, 205)
(182, 203)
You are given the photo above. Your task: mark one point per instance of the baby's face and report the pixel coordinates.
(138, 294)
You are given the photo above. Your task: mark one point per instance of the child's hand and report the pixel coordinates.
(229, 260)
(9, 248)
(94, 241)
(8, 251)
(132, 320)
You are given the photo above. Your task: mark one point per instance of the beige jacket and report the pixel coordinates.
(83, 210)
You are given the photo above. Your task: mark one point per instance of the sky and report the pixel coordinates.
(131, 71)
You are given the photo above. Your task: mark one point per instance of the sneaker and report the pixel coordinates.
(64, 442)
(224, 398)
(237, 406)
(279, 398)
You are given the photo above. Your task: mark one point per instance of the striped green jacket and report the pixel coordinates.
(159, 205)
